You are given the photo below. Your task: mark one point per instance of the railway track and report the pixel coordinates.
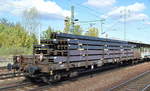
(15, 85)
(11, 75)
(23, 85)
(146, 88)
(4, 67)
(138, 83)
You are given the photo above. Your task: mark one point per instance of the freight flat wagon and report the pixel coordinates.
(66, 55)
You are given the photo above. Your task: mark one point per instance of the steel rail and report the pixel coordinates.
(146, 87)
(5, 74)
(70, 36)
(41, 88)
(3, 67)
(15, 86)
(132, 79)
(11, 75)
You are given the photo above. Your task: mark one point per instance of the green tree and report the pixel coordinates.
(30, 20)
(77, 28)
(92, 32)
(67, 25)
(15, 39)
(13, 36)
(47, 33)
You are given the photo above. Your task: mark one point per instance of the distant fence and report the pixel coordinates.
(5, 61)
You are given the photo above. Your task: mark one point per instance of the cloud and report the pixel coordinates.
(100, 3)
(147, 23)
(133, 12)
(47, 9)
(136, 17)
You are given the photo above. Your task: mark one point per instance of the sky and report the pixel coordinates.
(133, 15)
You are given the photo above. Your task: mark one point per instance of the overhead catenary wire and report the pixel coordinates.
(92, 11)
(109, 28)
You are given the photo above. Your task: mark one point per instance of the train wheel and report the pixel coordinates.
(55, 78)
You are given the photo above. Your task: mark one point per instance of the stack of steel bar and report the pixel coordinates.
(67, 47)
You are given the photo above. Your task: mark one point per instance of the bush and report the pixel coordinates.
(14, 51)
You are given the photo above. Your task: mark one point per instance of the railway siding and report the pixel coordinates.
(138, 83)
(11, 75)
(146, 88)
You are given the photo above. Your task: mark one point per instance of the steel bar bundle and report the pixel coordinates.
(70, 36)
(71, 48)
